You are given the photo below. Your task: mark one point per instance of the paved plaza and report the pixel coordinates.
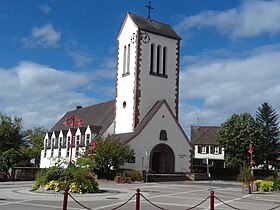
(164, 195)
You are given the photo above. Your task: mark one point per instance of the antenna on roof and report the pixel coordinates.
(149, 9)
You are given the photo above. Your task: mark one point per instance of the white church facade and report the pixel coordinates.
(144, 113)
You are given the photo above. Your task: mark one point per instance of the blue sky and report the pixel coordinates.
(56, 54)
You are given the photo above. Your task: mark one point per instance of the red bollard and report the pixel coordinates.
(212, 200)
(65, 198)
(137, 199)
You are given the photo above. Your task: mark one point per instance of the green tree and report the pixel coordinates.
(9, 158)
(34, 143)
(267, 117)
(10, 133)
(110, 154)
(236, 135)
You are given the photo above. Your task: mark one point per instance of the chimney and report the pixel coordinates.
(79, 107)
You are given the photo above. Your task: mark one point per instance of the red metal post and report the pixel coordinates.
(251, 168)
(137, 199)
(73, 118)
(65, 198)
(212, 200)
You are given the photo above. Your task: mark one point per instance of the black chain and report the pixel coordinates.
(124, 203)
(79, 202)
(227, 204)
(152, 203)
(198, 204)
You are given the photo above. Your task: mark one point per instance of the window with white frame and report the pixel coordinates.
(77, 145)
(52, 152)
(203, 149)
(216, 150)
(87, 139)
(124, 60)
(68, 141)
(78, 140)
(67, 152)
(52, 142)
(60, 141)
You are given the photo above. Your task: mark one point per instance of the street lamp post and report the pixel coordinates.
(73, 121)
(147, 164)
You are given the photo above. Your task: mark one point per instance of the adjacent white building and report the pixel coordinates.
(144, 113)
(207, 152)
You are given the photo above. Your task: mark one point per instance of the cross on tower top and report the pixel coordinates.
(149, 9)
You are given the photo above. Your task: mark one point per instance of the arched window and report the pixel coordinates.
(158, 59)
(152, 58)
(164, 60)
(124, 59)
(163, 135)
(128, 59)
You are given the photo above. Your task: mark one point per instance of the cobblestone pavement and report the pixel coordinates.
(167, 195)
(21, 190)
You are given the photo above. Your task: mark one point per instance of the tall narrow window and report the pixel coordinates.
(152, 58)
(124, 59)
(78, 140)
(128, 58)
(68, 141)
(53, 142)
(60, 141)
(77, 145)
(87, 139)
(158, 58)
(164, 60)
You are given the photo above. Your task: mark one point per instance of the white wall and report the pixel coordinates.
(207, 155)
(149, 138)
(125, 84)
(154, 88)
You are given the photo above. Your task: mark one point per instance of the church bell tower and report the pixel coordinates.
(147, 70)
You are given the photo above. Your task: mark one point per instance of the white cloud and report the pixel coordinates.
(229, 85)
(251, 19)
(40, 94)
(44, 36)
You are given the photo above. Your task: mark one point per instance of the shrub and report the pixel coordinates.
(77, 178)
(135, 175)
(53, 185)
(257, 183)
(36, 186)
(277, 184)
(266, 186)
(40, 180)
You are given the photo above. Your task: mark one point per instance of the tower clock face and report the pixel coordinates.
(145, 37)
(133, 38)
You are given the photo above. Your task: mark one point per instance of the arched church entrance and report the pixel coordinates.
(162, 159)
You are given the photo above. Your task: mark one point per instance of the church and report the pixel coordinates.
(144, 113)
